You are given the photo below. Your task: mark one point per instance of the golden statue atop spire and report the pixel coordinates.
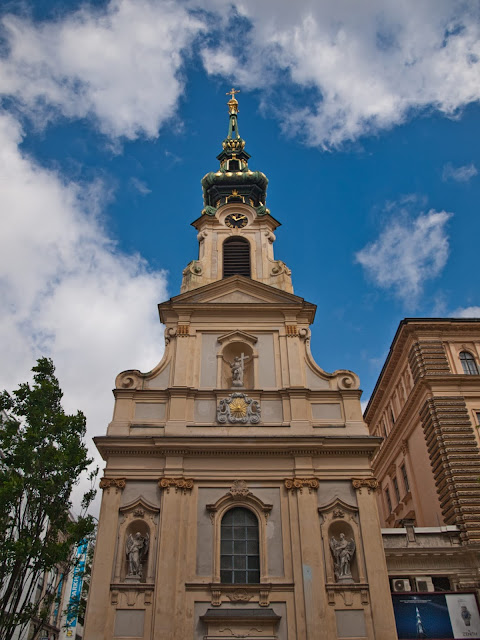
(233, 102)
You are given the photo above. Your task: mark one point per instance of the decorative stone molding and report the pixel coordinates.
(279, 268)
(194, 267)
(338, 510)
(240, 493)
(291, 330)
(404, 447)
(139, 509)
(347, 381)
(369, 483)
(180, 484)
(183, 330)
(238, 408)
(201, 235)
(128, 379)
(170, 333)
(125, 594)
(298, 484)
(270, 236)
(239, 489)
(392, 470)
(348, 593)
(118, 483)
(304, 334)
(237, 336)
(243, 594)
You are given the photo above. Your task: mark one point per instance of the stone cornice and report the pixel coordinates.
(358, 446)
(416, 328)
(164, 395)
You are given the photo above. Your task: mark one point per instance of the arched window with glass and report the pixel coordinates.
(239, 547)
(468, 363)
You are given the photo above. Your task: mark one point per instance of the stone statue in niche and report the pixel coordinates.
(238, 369)
(343, 551)
(136, 549)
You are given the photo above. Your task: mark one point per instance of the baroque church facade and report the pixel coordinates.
(238, 497)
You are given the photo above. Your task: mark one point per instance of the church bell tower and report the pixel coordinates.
(238, 498)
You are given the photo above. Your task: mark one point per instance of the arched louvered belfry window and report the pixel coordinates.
(468, 363)
(236, 257)
(239, 549)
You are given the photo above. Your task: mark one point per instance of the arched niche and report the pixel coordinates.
(237, 344)
(142, 517)
(337, 518)
(338, 528)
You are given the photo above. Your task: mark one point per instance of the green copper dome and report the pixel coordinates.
(234, 182)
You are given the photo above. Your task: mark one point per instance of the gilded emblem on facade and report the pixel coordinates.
(238, 408)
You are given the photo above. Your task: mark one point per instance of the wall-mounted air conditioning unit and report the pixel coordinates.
(424, 583)
(401, 584)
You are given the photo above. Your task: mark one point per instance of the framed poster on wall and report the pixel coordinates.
(436, 616)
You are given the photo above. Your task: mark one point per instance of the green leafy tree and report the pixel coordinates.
(42, 455)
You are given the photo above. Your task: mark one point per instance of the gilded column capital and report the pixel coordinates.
(118, 483)
(298, 484)
(369, 483)
(180, 484)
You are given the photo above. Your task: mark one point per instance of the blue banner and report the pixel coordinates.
(76, 590)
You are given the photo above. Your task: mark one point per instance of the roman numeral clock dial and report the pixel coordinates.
(236, 220)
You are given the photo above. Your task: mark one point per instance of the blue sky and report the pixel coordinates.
(364, 117)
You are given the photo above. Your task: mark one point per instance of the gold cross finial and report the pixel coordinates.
(232, 93)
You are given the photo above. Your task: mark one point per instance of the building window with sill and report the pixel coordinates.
(392, 416)
(468, 363)
(405, 478)
(397, 492)
(239, 547)
(389, 501)
(385, 432)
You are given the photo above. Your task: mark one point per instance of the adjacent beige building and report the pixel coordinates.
(238, 497)
(426, 406)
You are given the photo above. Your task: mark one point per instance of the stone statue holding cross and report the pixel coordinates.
(238, 369)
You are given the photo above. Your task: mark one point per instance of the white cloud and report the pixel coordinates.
(120, 65)
(66, 291)
(364, 66)
(459, 174)
(466, 312)
(408, 252)
(140, 186)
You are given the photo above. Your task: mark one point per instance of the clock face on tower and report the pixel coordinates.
(236, 220)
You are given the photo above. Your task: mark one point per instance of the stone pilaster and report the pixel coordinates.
(376, 566)
(100, 617)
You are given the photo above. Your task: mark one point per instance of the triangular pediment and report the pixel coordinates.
(238, 290)
(239, 335)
